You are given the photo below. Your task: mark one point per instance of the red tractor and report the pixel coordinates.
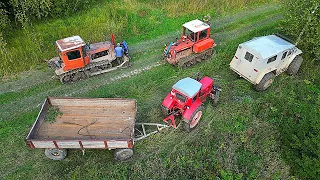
(186, 99)
(193, 46)
(78, 60)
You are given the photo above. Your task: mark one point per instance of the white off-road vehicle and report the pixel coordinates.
(261, 59)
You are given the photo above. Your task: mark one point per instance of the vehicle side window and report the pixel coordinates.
(73, 55)
(194, 98)
(272, 59)
(284, 55)
(248, 56)
(203, 34)
(191, 35)
(84, 50)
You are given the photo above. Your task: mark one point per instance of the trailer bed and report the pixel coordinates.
(85, 123)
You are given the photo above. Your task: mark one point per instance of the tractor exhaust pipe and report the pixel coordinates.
(112, 39)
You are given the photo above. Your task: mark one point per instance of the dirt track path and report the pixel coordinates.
(146, 55)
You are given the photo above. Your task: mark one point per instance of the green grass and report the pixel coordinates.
(29, 48)
(241, 138)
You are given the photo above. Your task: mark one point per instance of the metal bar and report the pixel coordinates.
(144, 130)
(144, 134)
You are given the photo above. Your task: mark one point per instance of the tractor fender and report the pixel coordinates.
(167, 102)
(189, 111)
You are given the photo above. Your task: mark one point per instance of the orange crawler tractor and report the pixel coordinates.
(193, 46)
(78, 60)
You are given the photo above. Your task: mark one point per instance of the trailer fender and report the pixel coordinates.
(189, 111)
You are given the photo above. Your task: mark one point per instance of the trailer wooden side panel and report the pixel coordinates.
(85, 123)
(86, 144)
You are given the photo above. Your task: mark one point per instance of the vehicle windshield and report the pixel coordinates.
(181, 97)
(190, 35)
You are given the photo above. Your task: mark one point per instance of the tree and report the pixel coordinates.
(299, 16)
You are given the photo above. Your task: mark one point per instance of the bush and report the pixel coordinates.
(297, 17)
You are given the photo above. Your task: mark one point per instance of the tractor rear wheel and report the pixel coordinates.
(265, 82)
(122, 154)
(194, 119)
(294, 66)
(56, 154)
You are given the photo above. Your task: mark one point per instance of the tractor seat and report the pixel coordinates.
(206, 83)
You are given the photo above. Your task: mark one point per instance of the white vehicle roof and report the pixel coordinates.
(267, 46)
(70, 43)
(196, 25)
(188, 87)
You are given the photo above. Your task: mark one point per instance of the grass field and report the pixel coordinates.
(220, 147)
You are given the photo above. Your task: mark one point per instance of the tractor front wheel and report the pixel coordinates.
(194, 120)
(265, 82)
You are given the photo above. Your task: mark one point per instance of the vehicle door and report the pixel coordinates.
(272, 63)
(246, 64)
(282, 62)
(74, 59)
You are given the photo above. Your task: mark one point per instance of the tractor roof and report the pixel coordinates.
(70, 43)
(196, 25)
(188, 87)
(267, 46)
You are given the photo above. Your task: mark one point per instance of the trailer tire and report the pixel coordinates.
(122, 154)
(265, 82)
(294, 66)
(194, 119)
(56, 154)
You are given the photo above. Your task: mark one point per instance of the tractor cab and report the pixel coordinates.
(196, 31)
(72, 53)
(195, 38)
(185, 92)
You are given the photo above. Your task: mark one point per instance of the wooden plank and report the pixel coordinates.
(117, 144)
(93, 102)
(93, 144)
(43, 144)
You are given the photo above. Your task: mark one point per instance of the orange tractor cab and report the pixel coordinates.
(186, 99)
(78, 60)
(193, 46)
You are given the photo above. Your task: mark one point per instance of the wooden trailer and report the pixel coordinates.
(84, 123)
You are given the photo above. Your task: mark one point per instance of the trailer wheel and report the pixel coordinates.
(122, 154)
(265, 82)
(294, 66)
(56, 154)
(194, 120)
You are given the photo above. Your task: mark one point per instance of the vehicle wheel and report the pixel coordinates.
(122, 154)
(217, 94)
(56, 154)
(194, 120)
(65, 79)
(265, 82)
(294, 66)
